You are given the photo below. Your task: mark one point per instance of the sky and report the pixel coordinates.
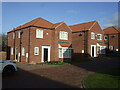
(18, 13)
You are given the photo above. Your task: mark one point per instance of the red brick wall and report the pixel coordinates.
(97, 30)
(113, 41)
(48, 40)
(39, 42)
(62, 27)
(10, 45)
(78, 41)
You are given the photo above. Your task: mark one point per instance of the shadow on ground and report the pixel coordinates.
(25, 79)
(73, 72)
(100, 64)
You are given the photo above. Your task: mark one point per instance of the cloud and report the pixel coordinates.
(112, 21)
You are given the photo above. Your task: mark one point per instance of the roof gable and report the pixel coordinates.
(111, 30)
(82, 26)
(39, 22)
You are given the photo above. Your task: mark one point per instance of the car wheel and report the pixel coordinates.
(8, 70)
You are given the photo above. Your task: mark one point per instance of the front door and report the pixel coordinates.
(93, 50)
(45, 53)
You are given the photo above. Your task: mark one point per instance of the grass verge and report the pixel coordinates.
(106, 79)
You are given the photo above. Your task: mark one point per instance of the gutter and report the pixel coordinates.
(32, 26)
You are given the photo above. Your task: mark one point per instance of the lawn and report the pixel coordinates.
(106, 79)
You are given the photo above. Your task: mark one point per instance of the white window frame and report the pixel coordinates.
(94, 50)
(105, 38)
(60, 53)
(39, 33)
(65, 52)
(111, 48)
(35, 51)
(18, 34)
(12, 51)
(92, 35)
(101, 50)
(63, 35)
(100, 37)
(23, 51)
(48, 47)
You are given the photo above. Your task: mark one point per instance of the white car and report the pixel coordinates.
(7, 66)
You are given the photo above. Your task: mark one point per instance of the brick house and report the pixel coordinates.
(87, 39)
(112, 39)
(40, 40)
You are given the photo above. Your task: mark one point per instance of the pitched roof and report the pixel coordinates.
(111, 30)
(56, 24)
(101, 44)
(82, 26)
(39, 22)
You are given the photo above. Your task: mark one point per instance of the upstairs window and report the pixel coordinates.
(18, 34)
(92, 35)
(39, 33)
(36, 50)
(105, 37)
(63, 35)
(113, 36)
(99, 36)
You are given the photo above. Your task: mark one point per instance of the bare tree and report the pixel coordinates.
(3, 41)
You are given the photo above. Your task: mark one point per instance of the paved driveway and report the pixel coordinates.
(60, 76)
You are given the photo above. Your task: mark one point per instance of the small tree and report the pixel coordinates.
(4, 42)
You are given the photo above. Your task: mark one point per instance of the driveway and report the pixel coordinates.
(60, 76)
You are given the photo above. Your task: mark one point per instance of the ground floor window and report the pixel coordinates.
(12, 51)
(23, 51)
(101, 49)
(111, 48)
(36, 50)
(65, 52)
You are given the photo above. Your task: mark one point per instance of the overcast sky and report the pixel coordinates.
(17, 13)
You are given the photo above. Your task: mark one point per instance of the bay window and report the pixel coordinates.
(64, 52)
(101, 49)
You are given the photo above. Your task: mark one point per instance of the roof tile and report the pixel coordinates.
(39, 22)
(111, 30)
(82, 26)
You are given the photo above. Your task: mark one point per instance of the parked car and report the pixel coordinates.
(7, 66)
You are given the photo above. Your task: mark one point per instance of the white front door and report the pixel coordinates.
(45, 53)
(93, 50)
